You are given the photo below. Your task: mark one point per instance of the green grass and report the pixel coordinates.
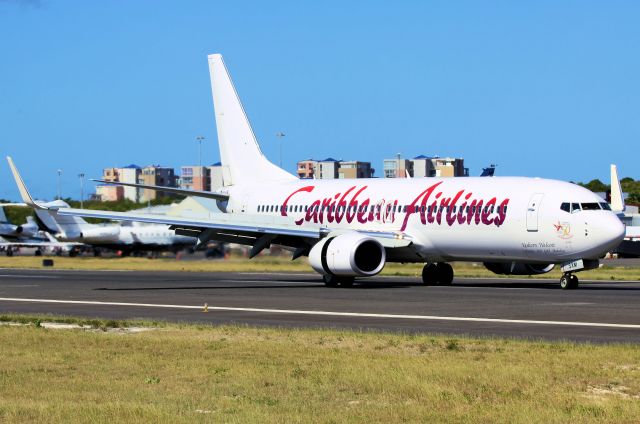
(241, 374)
(281, 264)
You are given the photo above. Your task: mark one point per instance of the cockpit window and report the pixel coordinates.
(575, 207)
(565, 207)
(590, 206)
(605, 206)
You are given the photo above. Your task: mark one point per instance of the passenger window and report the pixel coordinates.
(565, 207)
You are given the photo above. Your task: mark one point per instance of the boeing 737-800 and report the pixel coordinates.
(352, 228)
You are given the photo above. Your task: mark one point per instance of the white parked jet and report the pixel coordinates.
(352, 228)
(17, 232)
(125, 238)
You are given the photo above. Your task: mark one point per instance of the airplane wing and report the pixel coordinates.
(197, 193)
(249, 229)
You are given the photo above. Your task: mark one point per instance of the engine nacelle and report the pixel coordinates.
(101, 234)
(518, 268)
(348, 255)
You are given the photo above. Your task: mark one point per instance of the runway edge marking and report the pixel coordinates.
(325, 313)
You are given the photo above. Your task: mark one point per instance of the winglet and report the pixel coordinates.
(24, 193)
(617, 201)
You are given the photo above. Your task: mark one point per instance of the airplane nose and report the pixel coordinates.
(609, 231)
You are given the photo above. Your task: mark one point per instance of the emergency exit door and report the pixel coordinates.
(532, 211)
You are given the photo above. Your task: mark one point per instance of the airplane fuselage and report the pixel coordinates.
(489, 219)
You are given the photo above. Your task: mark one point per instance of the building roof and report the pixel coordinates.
(132, 166)
(330, 160)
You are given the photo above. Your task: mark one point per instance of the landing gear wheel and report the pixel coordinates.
(346, 281)
(335, 281)
(330, 280)
(430, 275)
(569, 282)
(445, 274)
(9, 252)
(38, 252)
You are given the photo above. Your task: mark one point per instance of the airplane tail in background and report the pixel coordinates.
(47, 212)
(3, 217)
(242, 160)
(617, 201)
(59, 224)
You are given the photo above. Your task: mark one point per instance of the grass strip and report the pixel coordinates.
(199, 373)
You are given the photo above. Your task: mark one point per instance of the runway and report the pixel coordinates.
(526, 308)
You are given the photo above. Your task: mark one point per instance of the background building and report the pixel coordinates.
(397, 167)
(331, 168)
(127, 174)
(355, 169)
(109, 193)
(216, 180)
(425, 166)
(195, 178)
(159, 176)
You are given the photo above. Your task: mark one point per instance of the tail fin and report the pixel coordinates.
(60, 224)
(617, 202)
(3, 217)
(242, 159)
(46, 212)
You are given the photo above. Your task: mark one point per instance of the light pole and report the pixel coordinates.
(59, 174)
(81, 175)
(200, 139)
(280, 135)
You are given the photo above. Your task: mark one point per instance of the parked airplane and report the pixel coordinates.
(13, 237)
(125, 238)
(352, 228)
(630, 246)
(17, 232)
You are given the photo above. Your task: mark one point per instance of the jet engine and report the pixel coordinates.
(100, 234)
(349, 255)
(518, 268)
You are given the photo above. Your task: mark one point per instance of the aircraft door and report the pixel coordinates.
(532, 211)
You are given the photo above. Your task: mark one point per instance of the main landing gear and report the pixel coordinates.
(440, 274)
(568, 281)
(337, 281)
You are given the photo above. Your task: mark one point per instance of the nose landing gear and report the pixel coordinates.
(569, 281)
(440, 274)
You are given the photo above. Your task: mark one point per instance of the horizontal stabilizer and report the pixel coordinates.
(174, 190)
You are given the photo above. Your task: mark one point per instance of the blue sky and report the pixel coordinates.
(549, 89)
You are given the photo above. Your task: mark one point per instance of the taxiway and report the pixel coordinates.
(534, 309)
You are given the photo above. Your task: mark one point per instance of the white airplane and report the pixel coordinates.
(16, 232)
(125, 238)
(630, 246)
(13, 237)
(352, 228)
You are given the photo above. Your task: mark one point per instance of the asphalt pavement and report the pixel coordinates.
(516, 308)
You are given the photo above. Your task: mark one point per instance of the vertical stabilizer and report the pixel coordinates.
(242, 159)
(617, 202)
